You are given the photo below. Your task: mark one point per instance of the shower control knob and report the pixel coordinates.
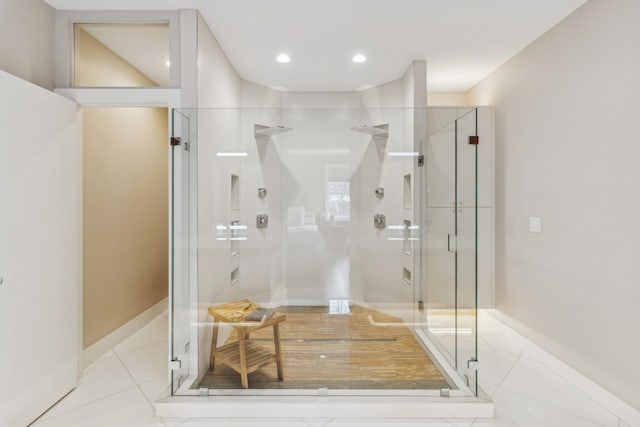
(262, 221)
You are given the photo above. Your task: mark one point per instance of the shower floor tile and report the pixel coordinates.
(338, 351)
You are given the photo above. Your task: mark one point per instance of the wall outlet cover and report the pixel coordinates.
(535, 224)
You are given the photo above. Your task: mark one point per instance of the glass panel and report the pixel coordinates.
(440, 283)
(121, 55)
(320, 215)
(466, 218)
(181, 330)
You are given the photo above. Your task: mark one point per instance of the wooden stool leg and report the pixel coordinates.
(276, 343)
(214, 345)
(243, 359)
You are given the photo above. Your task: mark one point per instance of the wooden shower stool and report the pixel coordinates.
(244, 356)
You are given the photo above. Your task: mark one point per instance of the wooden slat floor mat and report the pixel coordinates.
(338, 351)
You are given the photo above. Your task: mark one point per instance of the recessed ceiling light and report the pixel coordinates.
(359, 58)
(168, 63)
(283, 58)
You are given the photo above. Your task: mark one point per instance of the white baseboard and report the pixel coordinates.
(543, 348)
(94, 351)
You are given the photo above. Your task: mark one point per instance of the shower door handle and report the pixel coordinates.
(449, 243)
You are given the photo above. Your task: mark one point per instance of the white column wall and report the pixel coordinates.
(218, 87)
(40, 249)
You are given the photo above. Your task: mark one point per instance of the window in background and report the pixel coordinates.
(339, 199)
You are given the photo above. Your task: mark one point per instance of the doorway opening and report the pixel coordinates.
(125, 216)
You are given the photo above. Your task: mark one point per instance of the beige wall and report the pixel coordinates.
(26, 40)
(566, 151)
(125, 209)
(125, 206)
(96, 65)
(446, 99)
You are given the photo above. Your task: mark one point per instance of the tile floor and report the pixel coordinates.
(119, 390)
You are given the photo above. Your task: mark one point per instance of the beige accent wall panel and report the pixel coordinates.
(26, 40)
(98, 66)
(125, 205)
(567, 152)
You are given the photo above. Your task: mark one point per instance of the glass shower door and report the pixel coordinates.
(440, 294)
(450, 281)
(466, 247)
(180, 255)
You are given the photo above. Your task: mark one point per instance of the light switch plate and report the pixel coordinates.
(535, 224)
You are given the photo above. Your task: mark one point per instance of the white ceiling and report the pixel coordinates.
(462, 40)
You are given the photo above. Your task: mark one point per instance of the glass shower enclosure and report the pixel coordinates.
(355, 224)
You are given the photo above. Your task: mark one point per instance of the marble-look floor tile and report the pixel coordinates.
(317, 422)
(488, 387)
(513, 410)
(153, 332)
(125, 409)
(460, 423)
(106, 355)
(174, 422)
(534, 380)
(147, 363)
(156, 388)
(244, 422)
(102, 378)
(392, 422)
(499, 341)
(494, 364)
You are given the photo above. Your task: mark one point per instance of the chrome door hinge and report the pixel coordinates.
(450, 247)
(421, 160)
(472, 364)
(175, 364)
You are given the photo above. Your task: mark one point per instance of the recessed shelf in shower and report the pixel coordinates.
(407, 192)
(235, 193)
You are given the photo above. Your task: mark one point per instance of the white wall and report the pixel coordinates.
(218, 130)
(40, 246)
(566, 151)
(380, 260)
(260, 256)
(26, 40)
(321, 148)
